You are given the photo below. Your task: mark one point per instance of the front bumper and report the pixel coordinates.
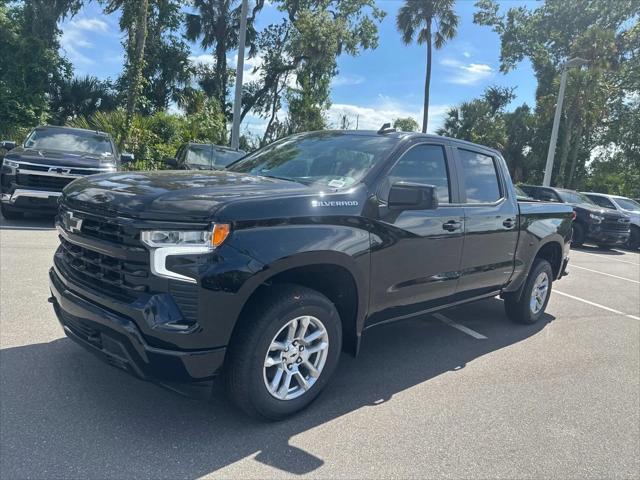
(26, 199)
(118, 341)
(607, 237)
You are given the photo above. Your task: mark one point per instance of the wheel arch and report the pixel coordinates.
(333, 274)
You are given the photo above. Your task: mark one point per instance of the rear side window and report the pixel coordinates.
(481, 177)
(424, 164)
(602, 201)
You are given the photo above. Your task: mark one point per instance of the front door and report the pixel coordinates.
(415, 254)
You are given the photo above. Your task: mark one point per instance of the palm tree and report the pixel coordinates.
(216, 24)
(81, 97)
(416, 20)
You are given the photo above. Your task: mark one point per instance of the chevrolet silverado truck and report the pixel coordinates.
(33, 175)
(605, 228)
(265, 272)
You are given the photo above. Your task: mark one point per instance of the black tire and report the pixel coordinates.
(520, 310)
(9, 213)
(577, 238)
(243, 374)
(634, 239)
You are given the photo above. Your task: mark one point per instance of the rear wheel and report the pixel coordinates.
(577, 238)
(535, 295)
(284, 352)
(10, 213)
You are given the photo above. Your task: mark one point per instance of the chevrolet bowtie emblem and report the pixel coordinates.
(71, 223)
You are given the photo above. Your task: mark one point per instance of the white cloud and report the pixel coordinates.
(347, 80)
(91, 24)
(467, 73)
(74, 38)
(466, 54)
(386, 109)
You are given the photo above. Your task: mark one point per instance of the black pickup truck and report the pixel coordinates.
(606, 228)
(266, 271)
(33, 175)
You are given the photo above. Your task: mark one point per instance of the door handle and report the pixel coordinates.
(509, 223)
(451, 226)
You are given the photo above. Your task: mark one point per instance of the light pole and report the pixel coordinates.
(237, 102)
(548, 169)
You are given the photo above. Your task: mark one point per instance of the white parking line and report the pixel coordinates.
(607, 274)
(593, 304)
(608, 257)
(462, 328)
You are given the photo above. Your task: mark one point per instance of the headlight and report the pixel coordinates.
(163, 243)
(10, 163)
(596, 218)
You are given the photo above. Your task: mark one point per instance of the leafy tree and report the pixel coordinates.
(299, 59)
(134, 21)
(427, 21)
(31, 63)
(81, 97)
(407, 124)
(557, 30)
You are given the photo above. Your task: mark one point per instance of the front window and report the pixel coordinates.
(91, 143)
(628, 204)
(569, 196)
(333, 159)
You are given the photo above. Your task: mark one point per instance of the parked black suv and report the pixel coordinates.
(33, 175)
(266, 271)
(203, 156)
(595, 224)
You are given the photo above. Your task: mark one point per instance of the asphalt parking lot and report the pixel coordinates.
(464, 394)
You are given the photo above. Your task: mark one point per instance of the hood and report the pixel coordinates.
(57, 157)
(171, 195)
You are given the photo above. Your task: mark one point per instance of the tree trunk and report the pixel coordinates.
(136, 63)
(564, 149)
(574, 154)
(221, 73)
(427, 82)
(274, 110)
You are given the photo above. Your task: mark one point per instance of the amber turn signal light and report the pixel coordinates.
(220, 233)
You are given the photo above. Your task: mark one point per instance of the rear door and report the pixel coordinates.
(491, 222)
(415, 257)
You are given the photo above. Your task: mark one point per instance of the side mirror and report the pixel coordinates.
(7, 145)
(127, 157)
(171, 162)
(412, 196)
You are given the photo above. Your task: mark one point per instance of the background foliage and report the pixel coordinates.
(162, 98)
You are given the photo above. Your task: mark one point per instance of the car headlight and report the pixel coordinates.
(596, 218)
(10, 163)
(163, 243)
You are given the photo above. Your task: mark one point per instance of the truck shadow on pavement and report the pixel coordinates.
(66, 414)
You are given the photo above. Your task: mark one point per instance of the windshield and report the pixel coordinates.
(334, 159)
(70, 141)
(222, 157)
(628, 204)
(521, 193)
(574, 197)
(199, 156)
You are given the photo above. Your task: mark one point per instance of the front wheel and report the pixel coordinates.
(535, 295)
(286, 349)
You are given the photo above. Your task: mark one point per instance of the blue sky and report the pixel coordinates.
(376, 86)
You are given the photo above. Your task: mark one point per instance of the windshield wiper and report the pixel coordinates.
(281, 178)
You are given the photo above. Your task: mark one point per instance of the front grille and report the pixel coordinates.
(121, 279)
(43, 181)
(616, 225)
(110, 231)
